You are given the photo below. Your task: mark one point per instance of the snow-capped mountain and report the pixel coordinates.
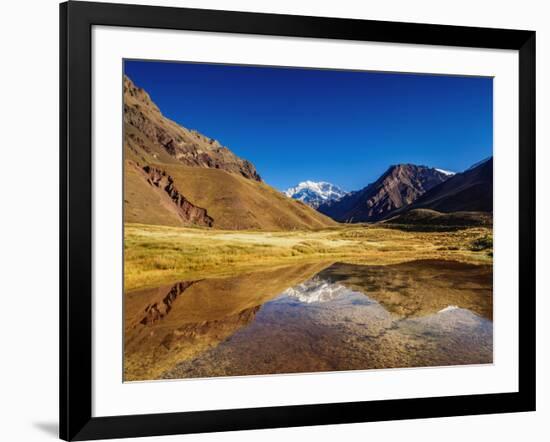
(315, 193)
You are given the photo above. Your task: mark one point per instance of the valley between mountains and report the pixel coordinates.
(192, 207)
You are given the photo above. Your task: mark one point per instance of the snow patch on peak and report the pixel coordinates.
(446, 172)
(315, 193)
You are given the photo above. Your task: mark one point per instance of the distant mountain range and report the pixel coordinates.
(397, 187)
(179, 177)
(315, 193)
(406, 187)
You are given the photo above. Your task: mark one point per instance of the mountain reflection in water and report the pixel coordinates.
(311, 318)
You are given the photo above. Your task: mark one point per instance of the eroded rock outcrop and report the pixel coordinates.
(188, 211)
(158, 310)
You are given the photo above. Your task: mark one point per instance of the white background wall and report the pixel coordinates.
(29, 217)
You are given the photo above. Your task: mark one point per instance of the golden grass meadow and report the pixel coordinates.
(157, 255)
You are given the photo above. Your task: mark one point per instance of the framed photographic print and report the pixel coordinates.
(272, 220)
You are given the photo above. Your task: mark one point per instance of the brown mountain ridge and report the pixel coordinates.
(175, 176)
(147, 130)
(398, 187)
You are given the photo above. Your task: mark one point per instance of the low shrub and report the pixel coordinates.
(482, 243)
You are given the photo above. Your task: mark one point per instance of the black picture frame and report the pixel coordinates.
(76, 21)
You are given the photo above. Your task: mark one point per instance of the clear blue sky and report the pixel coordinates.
(345, 127)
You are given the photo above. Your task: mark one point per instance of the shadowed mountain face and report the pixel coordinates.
(471, 190)
(399, 186)
(178, 177)
(432, 220)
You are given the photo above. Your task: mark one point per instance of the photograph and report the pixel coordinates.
(282, 220)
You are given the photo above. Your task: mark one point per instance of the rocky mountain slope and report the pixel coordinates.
(148, 131)
(399, 186)
(315, 193)
(471, 190)
(178, 177)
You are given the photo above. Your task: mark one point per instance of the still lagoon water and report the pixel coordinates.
(311, 318)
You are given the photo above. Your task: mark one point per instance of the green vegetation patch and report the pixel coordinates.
(482, 243)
